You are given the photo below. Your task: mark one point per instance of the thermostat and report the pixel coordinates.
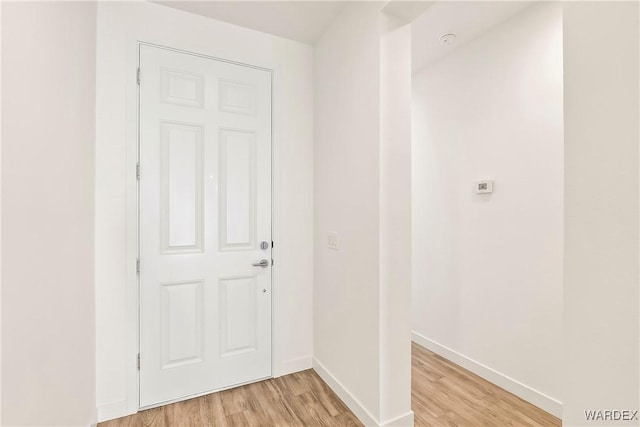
(483, 187)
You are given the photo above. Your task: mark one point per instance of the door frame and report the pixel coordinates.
(133, 224)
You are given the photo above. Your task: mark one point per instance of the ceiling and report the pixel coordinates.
(304, 21)
(467, 19)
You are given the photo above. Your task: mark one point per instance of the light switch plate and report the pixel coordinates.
(332, 240)
(483, 187)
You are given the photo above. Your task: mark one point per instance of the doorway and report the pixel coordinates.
(205, 240)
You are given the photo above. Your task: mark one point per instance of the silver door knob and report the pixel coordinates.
(263, 263)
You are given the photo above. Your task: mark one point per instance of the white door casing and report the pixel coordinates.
(205, 208)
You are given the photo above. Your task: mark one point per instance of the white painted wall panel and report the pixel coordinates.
(347, 179)
(601, 292)
(395, 223)
(362, 193)
(48, 132)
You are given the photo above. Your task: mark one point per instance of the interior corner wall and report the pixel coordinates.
(395, 224)
(0, 218)
(487, 268)
(362, 185)
(48, 117)
(601, 296)
(346, 169)
(120, 26)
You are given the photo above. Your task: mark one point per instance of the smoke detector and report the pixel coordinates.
(447, 39)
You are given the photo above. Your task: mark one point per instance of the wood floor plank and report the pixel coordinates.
(282, 414)
(186, 413)
(211, 405)
(312, 412)
(324, 394)
(346, 419)
(443, 395)
(237, 419)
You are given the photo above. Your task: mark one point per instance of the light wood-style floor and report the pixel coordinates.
(300, 399)
(443, 395)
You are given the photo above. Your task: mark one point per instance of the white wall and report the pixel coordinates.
(0, 220)
(120, 25)
(395, 219)
(600, 369)
(48, 117)
(487, 269)
(357, 151)
(346, 158)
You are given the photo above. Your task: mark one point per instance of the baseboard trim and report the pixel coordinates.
(292, 366)
(343, 393)
(114, 410)
(531, 395)
(405, 420)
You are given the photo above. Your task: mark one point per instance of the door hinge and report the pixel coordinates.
(138, 361)
(272, 243)
(138, 171)
(138, 265)
(138, 75)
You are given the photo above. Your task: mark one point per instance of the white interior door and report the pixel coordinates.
(205, 209)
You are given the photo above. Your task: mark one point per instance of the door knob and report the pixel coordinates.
(263, 263)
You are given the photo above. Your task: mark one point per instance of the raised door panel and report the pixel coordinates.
(237, 190)
(237, 97)
(237, 315)
(182, 88)
(181, 188)
(181, 324)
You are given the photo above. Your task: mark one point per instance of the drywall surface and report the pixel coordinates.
(487, 269)
(48, 117)
(0, 219)
(361, 157)
(346, 159)
(601, 112)
(395, 222)
(120, 26)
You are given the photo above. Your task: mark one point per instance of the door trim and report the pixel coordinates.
(201, 55)
(134, 169)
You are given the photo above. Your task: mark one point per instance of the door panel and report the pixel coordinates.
(181, 330)
(205, 206)
(181, 184)
(237, 315)
(237, 189)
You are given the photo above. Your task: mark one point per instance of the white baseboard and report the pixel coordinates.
(294, 365)
(356, 407)
(405, 420)
(523, 391)
(114, 410)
